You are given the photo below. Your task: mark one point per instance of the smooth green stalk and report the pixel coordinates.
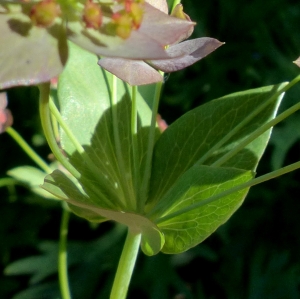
(248, 184)
(134, 116)
(248, 119)
(256, 134)
(49, 134)
(175, 2)
(126, 265)
(28, 150)
(47, 128)
(77, 145)
(5, 182)
(151, 139)
(64, 126)
(129, 202)
(54, 122)
(62, 256)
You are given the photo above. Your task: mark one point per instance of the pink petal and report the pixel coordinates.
(29, 54)
(148, 42)
(6, 118)
(161, 5)
(165, 29)
(3, 100)
(185, 54)
(131, 71)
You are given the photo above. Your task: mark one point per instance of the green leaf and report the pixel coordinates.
(186, 189)
(40, 267)
(199, 132)
(33, 177)
(92, 209)
(199, 183)
(87, 106)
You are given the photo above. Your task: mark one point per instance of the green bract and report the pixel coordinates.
(189, 194)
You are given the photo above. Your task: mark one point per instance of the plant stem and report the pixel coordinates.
(114, 106)
(49, 134)
(126, 265)
(62, 256)
(64, 126)
(135, 142)
(175, 2)
(28, 150)
(256, 134)
(146, 178)
(47, 128)
(8, 182)
(256, 181)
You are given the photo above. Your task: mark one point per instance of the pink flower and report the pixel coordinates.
(177, 55)
(6, 119)
(34, 34)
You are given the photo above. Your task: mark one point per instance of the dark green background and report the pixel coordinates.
(254, 255)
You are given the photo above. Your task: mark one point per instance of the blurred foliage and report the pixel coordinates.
(254, 255)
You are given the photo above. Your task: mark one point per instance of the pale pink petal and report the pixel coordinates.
(29, 54)
(148, 42)
(185, 54)
(162, 5)
(297, 61)
(6, 118)
(131, 71)
(3, 100)
(165, 29)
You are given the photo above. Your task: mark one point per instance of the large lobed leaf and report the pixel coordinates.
(194, 135)
(182, 177)
(106, 181)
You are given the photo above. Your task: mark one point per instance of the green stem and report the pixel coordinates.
(8, 182)
(146, 178)
(49, 134)
(62, 256)
(248, 119)
(64, 126)
(175, 2)
(89, 163)
(28, 150)
(135, 142)
(47, 127)
(248, 184)
(129, 203)
(256, 134)
(126, 265)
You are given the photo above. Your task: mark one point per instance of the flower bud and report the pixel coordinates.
(92, 15)
(178, 12)
(123, 23)
(43, 14)
(137, 13)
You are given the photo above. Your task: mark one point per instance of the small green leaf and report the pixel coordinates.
(199, 183)
(93, 209)
(197, 134)
(40, 266)
(33, 177)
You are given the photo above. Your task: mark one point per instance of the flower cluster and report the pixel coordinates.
(179, 54)
(139, 35)
(122, 16)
